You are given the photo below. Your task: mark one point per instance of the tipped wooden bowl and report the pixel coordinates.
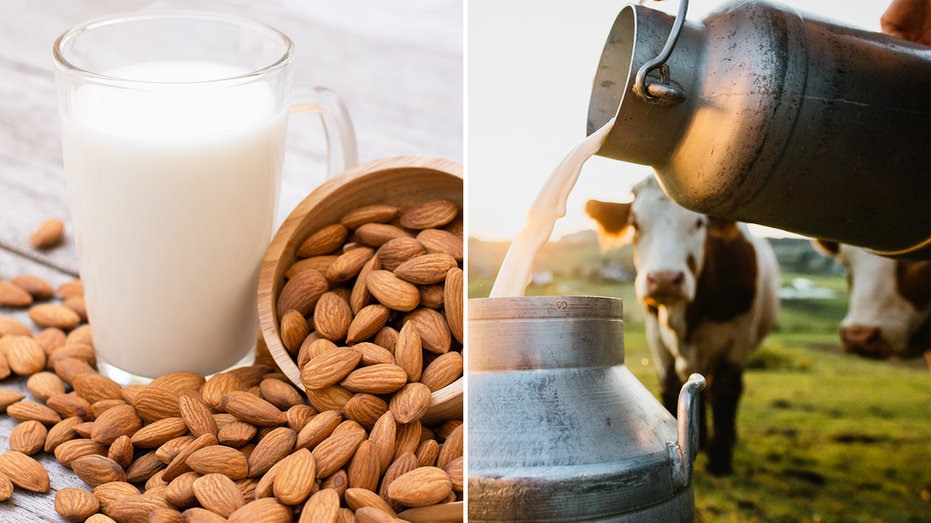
(402, 180)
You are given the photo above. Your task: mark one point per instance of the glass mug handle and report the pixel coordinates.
(342, 152)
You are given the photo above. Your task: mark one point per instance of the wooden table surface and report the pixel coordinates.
(398, 65)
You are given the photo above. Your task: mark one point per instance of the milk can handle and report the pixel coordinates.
(662, 93)
(683, 452)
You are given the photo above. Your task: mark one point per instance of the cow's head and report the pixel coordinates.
(890, 303)
(668, 242)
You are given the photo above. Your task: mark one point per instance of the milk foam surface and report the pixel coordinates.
(172, 199)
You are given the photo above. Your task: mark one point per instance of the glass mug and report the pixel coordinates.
(173, 137)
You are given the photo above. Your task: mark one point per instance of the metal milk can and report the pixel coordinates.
(765, 114)
(559, 429)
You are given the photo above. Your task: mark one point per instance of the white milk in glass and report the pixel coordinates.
(172, 198)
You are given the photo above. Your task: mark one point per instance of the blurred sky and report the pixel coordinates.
(530, 69)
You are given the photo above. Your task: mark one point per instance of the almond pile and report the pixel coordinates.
(372, 309)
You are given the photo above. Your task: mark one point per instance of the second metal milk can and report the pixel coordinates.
(559, 429)
(765, 114)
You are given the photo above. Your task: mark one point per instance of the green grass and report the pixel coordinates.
(823, 436)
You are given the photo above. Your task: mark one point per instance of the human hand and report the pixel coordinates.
(909, 20)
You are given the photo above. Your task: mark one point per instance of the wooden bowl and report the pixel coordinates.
(402, 180)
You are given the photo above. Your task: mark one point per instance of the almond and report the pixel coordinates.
(179, 381)
(47, 315)
(60, 433)
(374, 515)
(135, 508)
(397, 251)
(346, 516)
(96, 470)
(348, 265)
(452, 300)
(37, 287)
(427, 453)
(180, 491)
(373, 354)
(432, 296)
(365, 468)
(218, 386)
(294, 329)
(48, 234)
(44, 385)
(4, 367)
(318, 263)
(328, 398)
(196, 415)
(426, 269)
(407, 438)
(69, 451)
(271, 449)
(408, 352)
(367, 323)
(318, 429)
(454, 469)
(30, 410)
(158, 433)
(383, 435)
(121, 451)
(280, 394)
(332, 317)
(144, 468)
(358, 499)
(24, 355)
(329, 368)
(387, 337)
(28, 437)
(49, 339)
(360, 297)
(434, 332)
(153, 403)
(24, 472)
(13, 326)
(9, 397)
(437, 241)
(168, 451)
(179, 464)
(368, 214)
(365, 409)
(81, 351)
(236, 434)
(265, 487)
(324, 241)
(322, 507)
(375, 379)
(311, 348)
(77, 304)
(200, 515)
(94, 388)
(378, 234)
(13, 295)
(116, 422)
(392, 291)
(302, 292)
(410, 403)
(67, 368)
(75, 505)
(452, 447)
(251, 408)
(108, 493)
(336, 450)
(71, 288)
(219, 459)
(266, 510)
(295, 478)
(442, 371)
(84, 429)
(165, 515)
(421, 487)
(430, 214)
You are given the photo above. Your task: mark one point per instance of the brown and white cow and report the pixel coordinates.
(890, 304)
(709, 290)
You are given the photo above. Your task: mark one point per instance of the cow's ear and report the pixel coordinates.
(611, 217)
(826, 247)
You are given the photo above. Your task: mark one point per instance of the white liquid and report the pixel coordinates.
(549, 206)
(172, 200)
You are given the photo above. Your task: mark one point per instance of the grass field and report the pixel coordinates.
(823, 437)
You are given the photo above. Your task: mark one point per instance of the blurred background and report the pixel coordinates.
(824, 436)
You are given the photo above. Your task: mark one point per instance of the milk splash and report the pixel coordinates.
(549, 206)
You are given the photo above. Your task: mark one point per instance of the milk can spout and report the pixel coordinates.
(682, 453)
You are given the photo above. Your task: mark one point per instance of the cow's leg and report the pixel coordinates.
(724, 392)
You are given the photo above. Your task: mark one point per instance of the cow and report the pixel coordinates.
(709, 290)
(890, 304)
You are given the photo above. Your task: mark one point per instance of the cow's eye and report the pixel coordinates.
(699, 223)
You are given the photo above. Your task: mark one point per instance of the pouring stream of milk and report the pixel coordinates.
(549, 206)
